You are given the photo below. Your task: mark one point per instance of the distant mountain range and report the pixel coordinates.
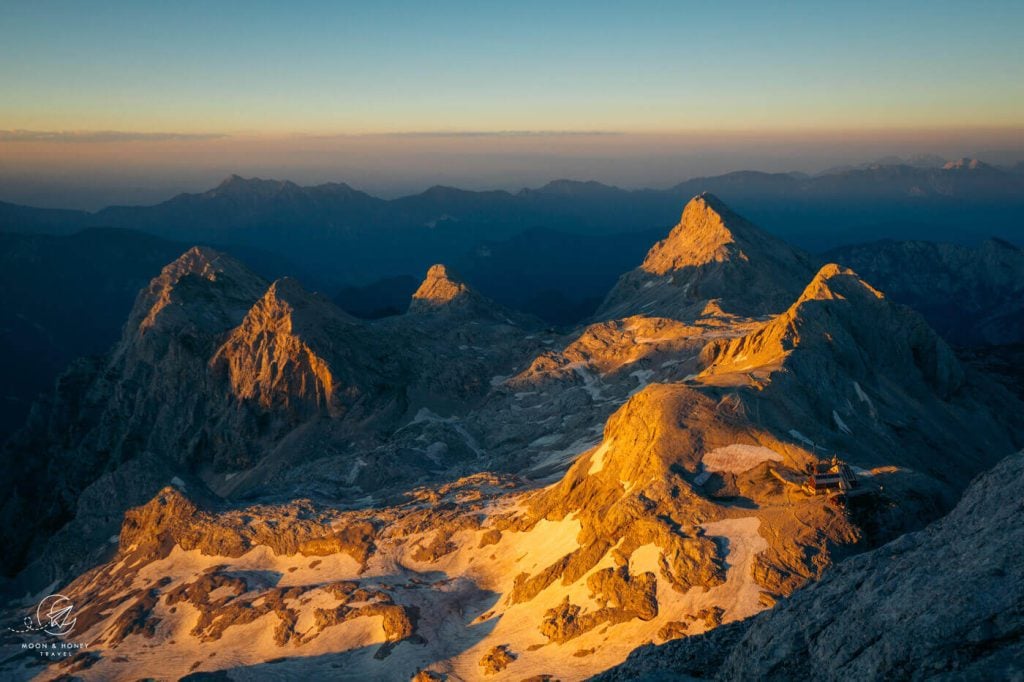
(345, 237)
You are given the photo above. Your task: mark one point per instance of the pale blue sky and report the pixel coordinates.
(337, 67)
(123, 102)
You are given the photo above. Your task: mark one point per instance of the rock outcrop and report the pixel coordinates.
(442, 289)
(298, 354)
(841, 319)
(444, 298)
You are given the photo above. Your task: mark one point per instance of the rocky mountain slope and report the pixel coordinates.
(971, 296)
(456, 493)
(878, 615)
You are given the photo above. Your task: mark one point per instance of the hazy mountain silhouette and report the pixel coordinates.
(345, 237)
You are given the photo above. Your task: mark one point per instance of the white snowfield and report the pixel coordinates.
(737, 458)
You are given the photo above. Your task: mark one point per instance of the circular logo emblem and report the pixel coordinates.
(54, 615)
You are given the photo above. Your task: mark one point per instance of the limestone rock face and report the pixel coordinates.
(841, 318)
(844, 357)
(296, 353)
(713, 262)
(874, 616)
(224, 376)
(203, 289)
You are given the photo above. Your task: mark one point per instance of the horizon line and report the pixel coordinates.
(108, 135)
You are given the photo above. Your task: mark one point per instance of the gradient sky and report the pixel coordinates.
(177, 76)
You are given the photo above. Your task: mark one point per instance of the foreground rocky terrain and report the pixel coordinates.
(942, 603)
(254, 482)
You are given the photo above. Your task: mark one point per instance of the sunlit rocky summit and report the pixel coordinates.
(461, 493)
(713, 260)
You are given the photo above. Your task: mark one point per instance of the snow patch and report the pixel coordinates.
(425, 414)
(590, 382)
(643, 377)
(550, 439)
(740, 595)
(738, 458)
(597, 459)
(802, 438)
(865, 398)
(840, 423)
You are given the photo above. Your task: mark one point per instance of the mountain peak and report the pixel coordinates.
(441, 288)
(288, 306)
(569, 188)
(235, 185)
(287, 289)
(220, 278)
(712, 254)
(201, 261)
(707, 232)
(291, 352)
(840, 319)
(834, 281)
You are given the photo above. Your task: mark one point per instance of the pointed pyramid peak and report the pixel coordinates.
(839, 319)
(441, 288)
(707, 201)
(708, 231)
(209, 264)
(296, 351)
(712, 254)
(201, 261)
